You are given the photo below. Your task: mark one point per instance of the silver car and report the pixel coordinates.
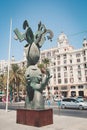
(73, 103)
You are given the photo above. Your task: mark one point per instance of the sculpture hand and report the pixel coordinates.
(48, 74)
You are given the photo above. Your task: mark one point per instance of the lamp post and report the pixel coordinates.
(9, 50)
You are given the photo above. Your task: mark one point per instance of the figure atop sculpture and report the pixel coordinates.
(35, 81)
(34, 41)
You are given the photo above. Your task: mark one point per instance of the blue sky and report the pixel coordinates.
(69, 16)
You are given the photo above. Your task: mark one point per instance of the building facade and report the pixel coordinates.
(68, 68)
(3, 66)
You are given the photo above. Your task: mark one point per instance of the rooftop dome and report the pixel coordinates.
(62, 39)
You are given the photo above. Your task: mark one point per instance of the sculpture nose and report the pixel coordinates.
(40, 77)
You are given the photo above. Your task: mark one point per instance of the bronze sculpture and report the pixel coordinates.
(34, 79)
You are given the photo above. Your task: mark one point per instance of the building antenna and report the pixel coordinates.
(85, 31)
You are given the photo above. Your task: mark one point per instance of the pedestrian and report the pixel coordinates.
(48, 102)
(59, 102)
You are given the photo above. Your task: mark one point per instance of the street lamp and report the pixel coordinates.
(9, 50)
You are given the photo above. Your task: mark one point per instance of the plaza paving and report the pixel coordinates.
(8, 122)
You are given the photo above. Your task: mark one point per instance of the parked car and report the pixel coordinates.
(80, 98)
(73, 103)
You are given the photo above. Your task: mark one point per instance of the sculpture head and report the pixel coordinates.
(33, 75)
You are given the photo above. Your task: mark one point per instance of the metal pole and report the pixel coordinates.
(8, 65)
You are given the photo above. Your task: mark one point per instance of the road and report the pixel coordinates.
(66, 112)
(71, 112)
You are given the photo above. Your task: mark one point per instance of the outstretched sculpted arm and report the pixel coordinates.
(28, 35)
(19, 35)
(46, 80)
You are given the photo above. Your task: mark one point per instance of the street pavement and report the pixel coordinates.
(8, 122)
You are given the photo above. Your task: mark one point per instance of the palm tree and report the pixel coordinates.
(46, 62)
(43, 66)
(3, 81)
(16, 78)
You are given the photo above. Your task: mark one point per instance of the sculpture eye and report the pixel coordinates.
(34, 69)
(28, 75)
(40, 75)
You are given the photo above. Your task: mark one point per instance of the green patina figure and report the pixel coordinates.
(36, 82)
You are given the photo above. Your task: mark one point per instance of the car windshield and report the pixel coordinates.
(81, 101)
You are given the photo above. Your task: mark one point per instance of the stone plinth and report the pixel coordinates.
(36, 118)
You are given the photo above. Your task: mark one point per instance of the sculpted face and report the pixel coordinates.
(33, 74)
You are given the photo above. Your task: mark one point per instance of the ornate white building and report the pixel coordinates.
(68, 68)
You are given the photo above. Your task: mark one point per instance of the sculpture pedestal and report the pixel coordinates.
(36, 118)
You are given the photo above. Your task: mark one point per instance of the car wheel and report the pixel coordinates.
(80, 107)
(63, 106)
